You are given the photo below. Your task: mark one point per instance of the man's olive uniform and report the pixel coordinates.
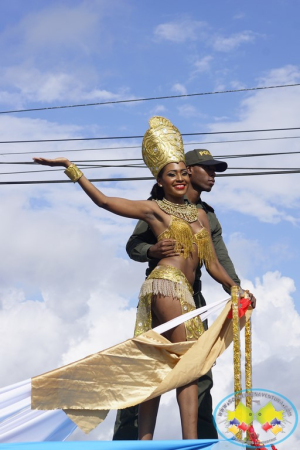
(126, 427)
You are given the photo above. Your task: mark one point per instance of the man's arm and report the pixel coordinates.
(221, 250)
(139, 242)
(142, 246)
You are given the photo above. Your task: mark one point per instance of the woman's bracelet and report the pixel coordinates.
(73, 173)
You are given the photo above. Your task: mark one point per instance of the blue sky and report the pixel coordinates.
(64, 259)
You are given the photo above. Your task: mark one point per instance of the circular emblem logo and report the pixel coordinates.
(256, 417)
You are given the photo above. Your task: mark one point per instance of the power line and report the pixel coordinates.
(98, 180)
(140, 137)
(140, 165)
(165, 97)
(135, 166)
(82, 166)
(77, 161)
(250, 155)
(138, 146)
(275, 172)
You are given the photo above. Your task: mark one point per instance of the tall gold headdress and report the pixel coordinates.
(162, 144)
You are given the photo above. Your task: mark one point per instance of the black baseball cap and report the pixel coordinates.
(202, 157)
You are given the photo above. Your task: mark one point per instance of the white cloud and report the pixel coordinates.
(21, 85)
(159, 109)
(288, 74)
(74, 26)
(187, 110)
(180, 31)
(49, 57)
(203, 64)
(179, 89)
(59, 28)
(259, 256)
(269, 198)
(63, 256)
(239, 16)
(230, 43)
(192, 30)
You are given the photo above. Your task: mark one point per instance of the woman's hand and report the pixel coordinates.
(64, 162)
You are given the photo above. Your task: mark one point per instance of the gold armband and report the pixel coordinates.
(73, 173)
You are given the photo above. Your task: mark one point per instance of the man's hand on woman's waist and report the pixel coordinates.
(162, 249)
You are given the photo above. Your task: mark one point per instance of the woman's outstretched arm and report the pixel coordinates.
(134, 209)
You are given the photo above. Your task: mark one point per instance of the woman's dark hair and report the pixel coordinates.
(157, 192)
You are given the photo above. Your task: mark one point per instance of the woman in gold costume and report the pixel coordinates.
(167, 292)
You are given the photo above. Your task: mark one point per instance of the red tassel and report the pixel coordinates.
(243, 306)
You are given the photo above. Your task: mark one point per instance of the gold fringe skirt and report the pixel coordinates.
(167, 281)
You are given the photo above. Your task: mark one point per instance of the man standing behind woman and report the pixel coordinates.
(167, 292)
(142, 246)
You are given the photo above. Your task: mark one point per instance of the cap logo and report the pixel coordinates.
(204, 152)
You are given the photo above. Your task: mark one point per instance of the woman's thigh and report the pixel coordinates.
(165, 309)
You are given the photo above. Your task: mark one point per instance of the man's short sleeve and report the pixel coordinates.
(139, 242)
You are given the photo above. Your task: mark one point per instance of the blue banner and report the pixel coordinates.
(115, 445)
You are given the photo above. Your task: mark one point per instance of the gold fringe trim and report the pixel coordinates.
(205, 251)
(169, 282)
(167, 288)
(181, 232)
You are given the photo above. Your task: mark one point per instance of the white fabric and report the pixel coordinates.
(204, 312)
(18, 423)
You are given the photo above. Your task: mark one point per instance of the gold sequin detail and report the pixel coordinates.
(186, 211)
(204, 245)
(181, 232)
(248, 362)
(162, 144)
(171, 282)
(73, 173)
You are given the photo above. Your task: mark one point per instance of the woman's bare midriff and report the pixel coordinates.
(187, 266)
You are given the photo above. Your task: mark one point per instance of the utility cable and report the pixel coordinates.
(138, 146)
(98, 180)
(134, 166)
(247, 155)
(138, 167)
(165, 97)
(140, 137)
(81, 166)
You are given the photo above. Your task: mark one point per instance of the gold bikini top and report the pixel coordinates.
(182, 233)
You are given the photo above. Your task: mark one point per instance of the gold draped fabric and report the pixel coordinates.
(129, 373)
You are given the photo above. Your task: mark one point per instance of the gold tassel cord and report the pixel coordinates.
(236, 342)
(235, 294)
(248, 362)
(236, 349)
(248, 365)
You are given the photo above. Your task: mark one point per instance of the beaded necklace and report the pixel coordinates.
(186, 211)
